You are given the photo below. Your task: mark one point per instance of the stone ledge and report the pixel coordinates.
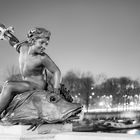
(43, 129)
(95, 136)
(57, 132)
(28, 137)
(73, 136)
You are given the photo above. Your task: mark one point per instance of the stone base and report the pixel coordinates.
(73, 136)
(57, 132)
(43, 129)
(95, 136)
(28, 137)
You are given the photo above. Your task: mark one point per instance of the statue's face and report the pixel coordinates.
(40, 45)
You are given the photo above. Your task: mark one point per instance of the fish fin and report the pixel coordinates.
(36, 124)
(30, 127)
(33, 127)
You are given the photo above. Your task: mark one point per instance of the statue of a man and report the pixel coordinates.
(32, 62)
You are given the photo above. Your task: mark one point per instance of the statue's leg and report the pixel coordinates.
(10, 89)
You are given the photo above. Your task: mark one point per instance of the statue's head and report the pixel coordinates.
(38, 33)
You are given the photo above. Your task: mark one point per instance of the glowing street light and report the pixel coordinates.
(79, 94)
(90, 97)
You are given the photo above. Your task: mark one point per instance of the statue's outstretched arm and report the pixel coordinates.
(7, 34)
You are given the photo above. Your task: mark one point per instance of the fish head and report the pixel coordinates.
(53, 108)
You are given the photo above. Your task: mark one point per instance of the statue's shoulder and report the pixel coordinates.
(22, 45)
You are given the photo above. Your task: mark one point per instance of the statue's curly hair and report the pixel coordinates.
(38, 32)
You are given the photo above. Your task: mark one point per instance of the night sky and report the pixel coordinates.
(97, 36)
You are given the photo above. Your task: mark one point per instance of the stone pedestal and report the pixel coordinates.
(43, 129)
(19, 132)
(70, 136)
(95, 136)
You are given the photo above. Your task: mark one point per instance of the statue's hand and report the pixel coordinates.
(4, 31)
(65, 93)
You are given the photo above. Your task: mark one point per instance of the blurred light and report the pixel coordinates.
(110, 96)
(130, 114)
(90, 97)
(134, 131)
(132, 103)
(136, 96)
(101, 103)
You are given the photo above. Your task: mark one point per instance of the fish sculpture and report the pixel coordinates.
(38, 107)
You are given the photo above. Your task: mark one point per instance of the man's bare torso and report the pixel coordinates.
(31, 66)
